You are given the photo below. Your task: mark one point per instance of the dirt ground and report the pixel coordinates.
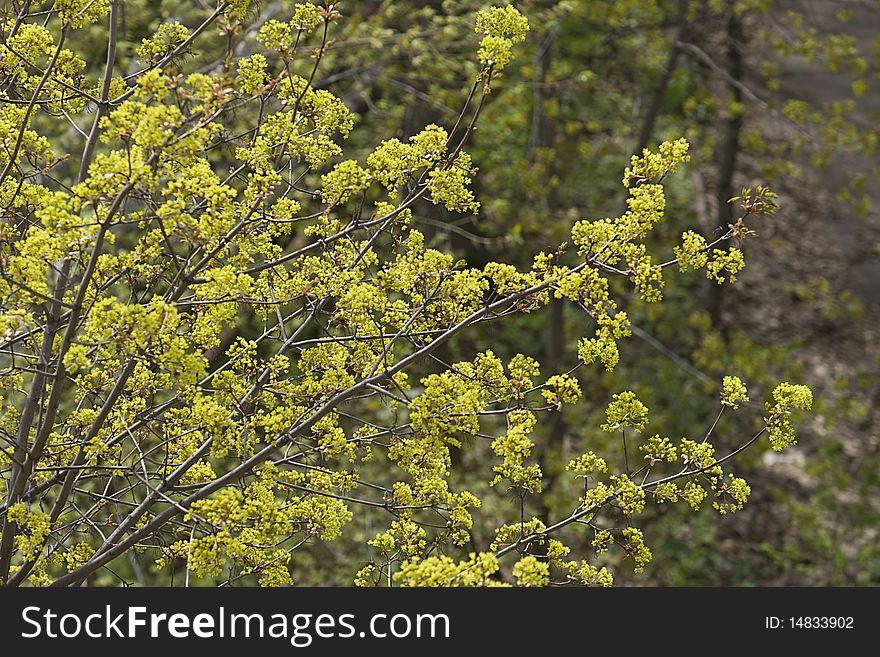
(781, 299)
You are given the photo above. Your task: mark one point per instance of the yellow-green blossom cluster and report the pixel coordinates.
(501, 27)
(786, 397)
(168, 37)
(733, 392)
(625, 411)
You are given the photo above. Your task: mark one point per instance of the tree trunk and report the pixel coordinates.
(729, 146)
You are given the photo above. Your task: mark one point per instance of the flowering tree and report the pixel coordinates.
(206, 194)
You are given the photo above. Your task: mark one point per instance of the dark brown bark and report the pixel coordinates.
(729, 145)
(656, 105)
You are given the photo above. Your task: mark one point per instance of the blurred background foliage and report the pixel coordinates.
(778, 92)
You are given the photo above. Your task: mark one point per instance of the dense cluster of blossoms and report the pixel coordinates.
(154, 406)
